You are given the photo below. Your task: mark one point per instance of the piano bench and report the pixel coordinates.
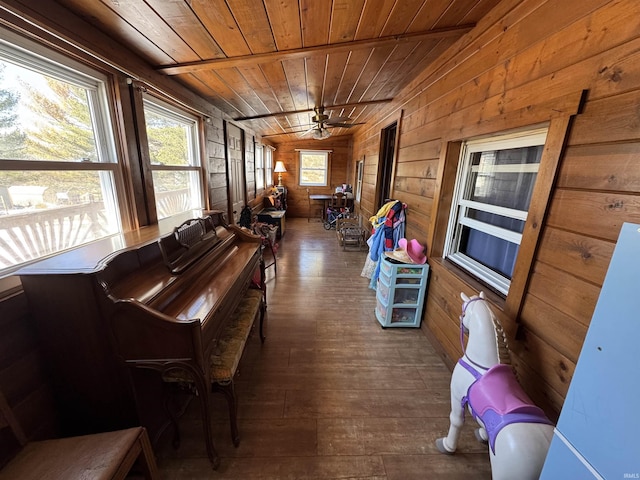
(224, 360)
(226, 356)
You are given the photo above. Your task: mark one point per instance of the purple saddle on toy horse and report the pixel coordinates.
(498, 400)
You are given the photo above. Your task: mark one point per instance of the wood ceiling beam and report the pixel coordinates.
(325, 107)
(246, 60)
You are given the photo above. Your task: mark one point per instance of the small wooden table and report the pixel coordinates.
(274, 217)
(325, 198)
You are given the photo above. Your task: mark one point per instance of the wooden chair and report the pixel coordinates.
(345, 222)
(268, 234)
(339, 200)
(100, 456)
(350, 233)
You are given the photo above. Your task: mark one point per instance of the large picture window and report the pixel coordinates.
(314, 168)
(175, 157)
(57, 154)
(496, 177)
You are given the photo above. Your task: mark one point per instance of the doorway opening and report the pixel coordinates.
(385, 165)
(235, 168)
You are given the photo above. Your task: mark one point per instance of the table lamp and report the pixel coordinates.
(279, 170)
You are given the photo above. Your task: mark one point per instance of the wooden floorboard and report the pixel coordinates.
(330, 394)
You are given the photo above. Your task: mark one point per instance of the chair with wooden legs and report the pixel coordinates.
(268, 234)
(339, 200)
(100, 456)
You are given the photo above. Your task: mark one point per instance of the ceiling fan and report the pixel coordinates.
(322, 122)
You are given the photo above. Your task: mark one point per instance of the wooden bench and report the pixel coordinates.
(186, 364)
(224, 359)
(100, 456)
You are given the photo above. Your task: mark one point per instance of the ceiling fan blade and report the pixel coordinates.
(334, 120)
(326, 107)
(302, 133)
(292, 132)
(343, 125)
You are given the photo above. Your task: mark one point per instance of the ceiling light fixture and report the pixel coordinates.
(320, 133)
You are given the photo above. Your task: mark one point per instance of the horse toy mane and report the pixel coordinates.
(469, 308)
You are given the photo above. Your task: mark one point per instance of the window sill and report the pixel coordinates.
(9, 286)
(494, 297)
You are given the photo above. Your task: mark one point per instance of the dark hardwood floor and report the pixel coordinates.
(330, 394)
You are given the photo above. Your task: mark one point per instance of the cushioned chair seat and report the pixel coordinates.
(96, 457)
(226, 356)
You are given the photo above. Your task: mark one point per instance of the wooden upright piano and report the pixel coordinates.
(187, 273)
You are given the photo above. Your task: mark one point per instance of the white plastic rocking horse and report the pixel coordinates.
(517, 431)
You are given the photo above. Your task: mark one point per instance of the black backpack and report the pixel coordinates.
(245, 217)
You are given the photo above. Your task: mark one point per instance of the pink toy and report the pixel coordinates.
(517, 431)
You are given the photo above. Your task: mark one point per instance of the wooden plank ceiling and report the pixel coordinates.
(260, 58)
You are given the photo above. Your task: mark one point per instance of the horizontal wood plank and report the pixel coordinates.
(585, 257)
(565, 292)
(559, 330)
(602, 167)
(598, 214)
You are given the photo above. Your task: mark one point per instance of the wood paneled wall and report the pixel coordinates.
(524, 63)
(23, 376)
(341, 169)
(216, 164)
(217, 176)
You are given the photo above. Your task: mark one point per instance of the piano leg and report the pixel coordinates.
(263, 287)
(184, 377)
(205, 404)
(263, 279)
(263, 310)
(173, 418)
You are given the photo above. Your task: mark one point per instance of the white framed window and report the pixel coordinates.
(268, 166)
(58, 164)
(359, 179)
(494, 185)
(314, 168)
(174, 152)
(260, 179)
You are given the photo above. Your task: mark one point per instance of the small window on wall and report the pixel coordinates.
(314, 168)
(175, 157)
(495, 182)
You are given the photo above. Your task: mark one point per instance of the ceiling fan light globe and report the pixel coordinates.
(320, 133)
